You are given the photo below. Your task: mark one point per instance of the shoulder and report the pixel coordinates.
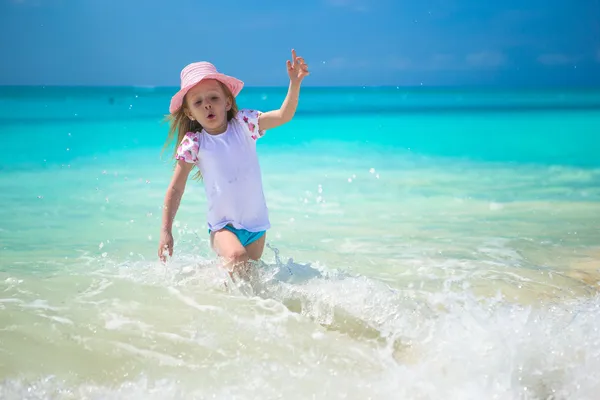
(248, 113)
(190, 139)
(188, 148)
(191, 136)
(248, 118)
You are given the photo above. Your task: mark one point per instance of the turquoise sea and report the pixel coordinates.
(426, 243)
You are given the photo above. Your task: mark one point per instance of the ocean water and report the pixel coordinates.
(426, 243)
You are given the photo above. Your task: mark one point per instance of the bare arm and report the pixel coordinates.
(171, 205)
(272, 119)
(175, 193)
(297, 70)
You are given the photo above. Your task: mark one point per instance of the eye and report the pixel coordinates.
(214, 97)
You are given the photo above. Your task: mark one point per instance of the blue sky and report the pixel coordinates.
(345, 42)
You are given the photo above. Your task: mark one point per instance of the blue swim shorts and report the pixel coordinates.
(245, 237)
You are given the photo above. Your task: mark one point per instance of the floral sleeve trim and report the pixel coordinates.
(188, 148)
(249, 118)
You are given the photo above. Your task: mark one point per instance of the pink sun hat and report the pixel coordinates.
(194, 73)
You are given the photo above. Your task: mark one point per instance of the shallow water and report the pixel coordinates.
(447, 247)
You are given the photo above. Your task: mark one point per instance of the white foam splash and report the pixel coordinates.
(306, 330)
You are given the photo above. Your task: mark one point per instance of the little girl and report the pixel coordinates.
(213, 135)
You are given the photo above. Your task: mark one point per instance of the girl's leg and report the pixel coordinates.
(228, 247)
(255, 249)
(234, 255)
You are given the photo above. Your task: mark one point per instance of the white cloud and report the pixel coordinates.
(436, 62)
(336, 62)
(343, 62)
(444, 61)
(552, 59)
(449, 62)
(486, 59)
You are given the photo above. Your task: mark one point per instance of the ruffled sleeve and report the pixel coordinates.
(249, 120)
(188, 148)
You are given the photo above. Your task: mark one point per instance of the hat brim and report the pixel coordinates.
(235, 86)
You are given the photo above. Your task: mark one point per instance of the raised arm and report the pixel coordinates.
(297, 71)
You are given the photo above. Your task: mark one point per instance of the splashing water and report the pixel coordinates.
(177, 331)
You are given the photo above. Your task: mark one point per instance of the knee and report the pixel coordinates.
(236, 256)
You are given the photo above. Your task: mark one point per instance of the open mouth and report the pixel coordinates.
(211, 116)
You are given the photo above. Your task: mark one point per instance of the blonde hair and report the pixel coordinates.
(180, 124)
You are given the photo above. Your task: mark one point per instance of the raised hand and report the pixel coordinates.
(297, 68)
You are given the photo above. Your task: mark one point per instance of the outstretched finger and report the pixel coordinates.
(293, 57)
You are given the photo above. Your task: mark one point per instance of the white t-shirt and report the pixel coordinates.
(231, 173)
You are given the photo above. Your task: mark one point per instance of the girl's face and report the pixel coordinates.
(207, 103)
